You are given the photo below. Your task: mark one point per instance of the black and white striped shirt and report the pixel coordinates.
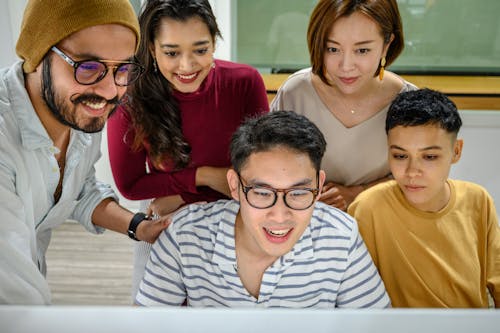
(195, 259)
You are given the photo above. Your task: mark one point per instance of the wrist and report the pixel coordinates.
(133, 226)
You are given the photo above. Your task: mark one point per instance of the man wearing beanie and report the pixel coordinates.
(77, 59)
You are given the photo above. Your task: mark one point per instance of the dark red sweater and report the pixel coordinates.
(230, 93)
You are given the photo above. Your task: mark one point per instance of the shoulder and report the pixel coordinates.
(203, 218)
(120, 115)
(233, 70)
(297, 80)
(374, 198)
(328, 219)
(469, 191)
(10, 76)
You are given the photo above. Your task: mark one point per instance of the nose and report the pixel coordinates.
(280, 212)
(347, 62)
(185, 63)
(413, 169)
(107, 87)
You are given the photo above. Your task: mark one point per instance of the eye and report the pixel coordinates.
(299, 193)
(363, 51)
(201, 51)
(262, 192)
(332, 50)
(171, 54)
(431, 157)
(124, 68)
(397, 156)
(90, 66)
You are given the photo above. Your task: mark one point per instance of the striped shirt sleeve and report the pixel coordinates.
(361, 286)
(162, 282)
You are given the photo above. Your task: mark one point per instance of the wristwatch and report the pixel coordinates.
(132, 227)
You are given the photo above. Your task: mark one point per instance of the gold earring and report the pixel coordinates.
(381, 72)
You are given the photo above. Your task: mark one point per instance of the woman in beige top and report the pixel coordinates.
(347, 91)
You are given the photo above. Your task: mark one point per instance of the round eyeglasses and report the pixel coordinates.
(263, 197)
(88, 72)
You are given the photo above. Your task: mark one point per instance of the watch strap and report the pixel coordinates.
(132, 227)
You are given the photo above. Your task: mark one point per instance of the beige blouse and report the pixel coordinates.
(355, 155)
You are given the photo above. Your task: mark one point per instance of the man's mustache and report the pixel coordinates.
(92, 98)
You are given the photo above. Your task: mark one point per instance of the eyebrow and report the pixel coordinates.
(303, 182)
(88, 56)
(423, 149)
(198, 43)
(357, 43)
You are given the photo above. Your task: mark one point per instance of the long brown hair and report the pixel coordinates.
(155, 113)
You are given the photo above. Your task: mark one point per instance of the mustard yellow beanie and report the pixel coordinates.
(47, 22)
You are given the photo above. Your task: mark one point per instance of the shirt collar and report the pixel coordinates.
(33, 134)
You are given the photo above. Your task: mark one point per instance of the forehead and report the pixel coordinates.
(420, 137)
(355, 27)
(107, 41)
(279, 167)
(178, 32)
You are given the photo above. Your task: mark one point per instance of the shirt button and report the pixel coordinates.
(55, 169)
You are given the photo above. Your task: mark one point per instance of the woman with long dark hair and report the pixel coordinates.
(169, 141)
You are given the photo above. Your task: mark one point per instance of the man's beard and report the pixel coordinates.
(66, 114)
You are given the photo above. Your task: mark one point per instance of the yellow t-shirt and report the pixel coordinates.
(443, 259)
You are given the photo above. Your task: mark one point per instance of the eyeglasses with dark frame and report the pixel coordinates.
(262, 197)
(88, 72)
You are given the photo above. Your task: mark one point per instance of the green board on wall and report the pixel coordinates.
(441, 36)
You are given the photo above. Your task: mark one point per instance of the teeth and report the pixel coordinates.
(187, 77)
(278, 233)
(95, 105)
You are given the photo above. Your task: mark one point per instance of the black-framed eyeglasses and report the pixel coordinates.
(88, 72)
(263, 197)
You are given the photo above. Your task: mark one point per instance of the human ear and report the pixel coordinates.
(457, 150)
(233, 182)
(387, 44)
(322, 178)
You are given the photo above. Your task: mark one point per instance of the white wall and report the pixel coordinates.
(480, 160)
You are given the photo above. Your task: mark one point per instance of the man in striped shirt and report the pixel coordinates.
(274, 244)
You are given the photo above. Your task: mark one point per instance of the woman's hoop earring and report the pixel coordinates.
(381, 71)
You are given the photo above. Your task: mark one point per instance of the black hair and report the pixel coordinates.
(423, 107)
(277, 129)
(154, 111)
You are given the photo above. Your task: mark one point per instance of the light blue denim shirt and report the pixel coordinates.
(29, 175)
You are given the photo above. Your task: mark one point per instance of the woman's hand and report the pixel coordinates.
(339, 196)
(331, 195)
(164, 205)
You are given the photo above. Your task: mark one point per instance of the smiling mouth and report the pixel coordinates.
(277, 232)
(187, 78)
(95, 105)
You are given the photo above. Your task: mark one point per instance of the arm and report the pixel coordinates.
(213, 177)
(493, 253)
(129, 167)
(21, 282)
(110, 215)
